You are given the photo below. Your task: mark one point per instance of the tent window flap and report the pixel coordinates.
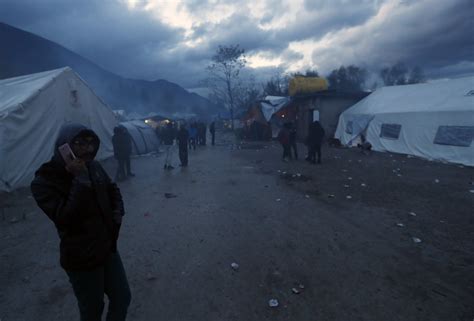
(454, 135)
(390, 131)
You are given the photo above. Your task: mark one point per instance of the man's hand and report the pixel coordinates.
(77, 167)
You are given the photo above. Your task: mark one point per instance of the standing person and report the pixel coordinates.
(204, 133)
(192, 136)
(168, 136)
(314, 141)
(212, 130)
(293, 146)
(284, 139)
(86, 208)
(122, 143)
(183, 137)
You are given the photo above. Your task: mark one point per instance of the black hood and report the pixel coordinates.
(68, 133)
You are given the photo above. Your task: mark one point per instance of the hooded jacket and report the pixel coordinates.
(87, 211)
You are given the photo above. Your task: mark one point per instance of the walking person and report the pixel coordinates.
(86, 208)
(293, 146)
(212, 130)
(168, 136)
(122, 143)
(284, 139)
(314, 141)
(183, 137)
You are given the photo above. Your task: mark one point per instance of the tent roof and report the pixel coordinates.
(440, 96)
(14, 91)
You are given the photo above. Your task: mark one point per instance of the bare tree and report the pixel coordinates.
(277, 85)
(224, 72)
(399, 74)
(350, 78)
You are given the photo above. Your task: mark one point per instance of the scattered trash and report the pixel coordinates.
(234, 266)
(412, 213)
(301, 286)
(416, 240)
(399, 175)
(278, 199)
(331, 195)
(436, 181)
(471, 191)
(273, 303)
(400, 224)
(441, 221)
(295, 290)
(344, 170)
(307, 196)
(363, 185)
(346, 186)
(279, 171)
(349, 197)
(170, 195)
(284, 173)
(298, 174)
(349, 178)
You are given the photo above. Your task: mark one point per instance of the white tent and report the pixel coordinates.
(433, 120)
(32, 110)
(144, 139)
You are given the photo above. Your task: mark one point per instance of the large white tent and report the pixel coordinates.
(144, 139)
(432, 120)
(32, 110)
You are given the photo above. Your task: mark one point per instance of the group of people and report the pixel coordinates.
(186, 138)
(287, 138)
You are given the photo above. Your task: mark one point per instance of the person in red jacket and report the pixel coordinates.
(86, 208)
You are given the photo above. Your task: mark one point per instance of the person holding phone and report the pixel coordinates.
(86, 207)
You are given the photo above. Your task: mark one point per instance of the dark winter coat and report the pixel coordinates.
(183, 137)
(87, 213)
(284, 136)
(122, 142)
(315, 135)
(212, 128)
(168, 135)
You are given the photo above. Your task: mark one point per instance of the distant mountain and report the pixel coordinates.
(25, 53)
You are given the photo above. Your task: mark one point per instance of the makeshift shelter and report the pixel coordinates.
(432, 120)
(32, 110)
(144, 138)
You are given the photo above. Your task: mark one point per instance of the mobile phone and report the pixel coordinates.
(67, 154)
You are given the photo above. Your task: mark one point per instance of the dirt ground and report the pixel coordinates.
(287, 225)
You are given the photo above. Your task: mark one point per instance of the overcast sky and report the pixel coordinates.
(174, 40)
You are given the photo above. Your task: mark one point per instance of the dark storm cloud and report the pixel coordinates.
(434, 34)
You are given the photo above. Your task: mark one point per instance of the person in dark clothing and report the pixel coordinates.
(86, 208)
(192, 136)
(284, 139)
(293, 146)
(183, 137)
(168, 136)
(122, 143)
(212, 130)
(314, 141)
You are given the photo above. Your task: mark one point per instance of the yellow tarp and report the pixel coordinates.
(306, 85)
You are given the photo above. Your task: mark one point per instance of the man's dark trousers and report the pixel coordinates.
(183, 154)
(312, 153)
(90, 286)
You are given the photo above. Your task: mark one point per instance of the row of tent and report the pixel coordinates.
(432, 120)
(34, 107)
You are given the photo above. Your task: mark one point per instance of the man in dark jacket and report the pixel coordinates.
(168, 135)
(314, 141)
(212, 130)
(87, 209)
(183, 137)
(122, 143)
